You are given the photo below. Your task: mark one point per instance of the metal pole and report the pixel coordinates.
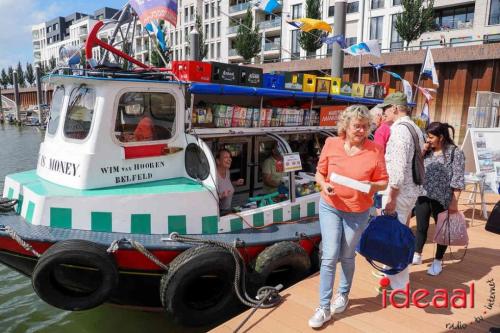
(39, 94)
(194, 44)
(339, 29)
(121, 19)
(419, 77)
(1, 107)
(359, 68)
(16, 96)
(263, 47)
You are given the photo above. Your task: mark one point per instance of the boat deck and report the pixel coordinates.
(365, 313)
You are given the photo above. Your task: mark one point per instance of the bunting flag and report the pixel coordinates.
(151, 10)
(268, 5)
(369, 47)
(377, 66)
(426, 92)
(158, 32)
(340, 39)
(394, 75)
(429, 69)
(407, 90)
(308, 24)
(425, 115)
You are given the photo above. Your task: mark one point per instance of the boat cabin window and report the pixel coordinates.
(55, 110)
(145, 116)
(80, 113)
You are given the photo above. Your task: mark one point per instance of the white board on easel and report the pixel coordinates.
(481, 148)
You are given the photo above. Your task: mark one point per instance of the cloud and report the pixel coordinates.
(16, 19)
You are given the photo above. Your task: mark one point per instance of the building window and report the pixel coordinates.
(206, 10)
(186, 14)
(186, 34)
(396, 2)
(145, 116)
(460, 17)
(80, 113)
(296, 11)
(396, 41)
(206, 30)
(212, 9)
(352, 7)
(295, 44)
(191, 13)
(460, 40)
(492, 38)
(212, 30)
(55, 110)
(218, 50)
(430, 43)
(212, 50)
(494, 16)
(218, 8)
(376, 26)
(376, 4)
(331, 11)
(351, 41)
(218, 29)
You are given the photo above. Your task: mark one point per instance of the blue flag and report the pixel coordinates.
(376, 66)
(340, 39)
(268, 5)
(160, 35)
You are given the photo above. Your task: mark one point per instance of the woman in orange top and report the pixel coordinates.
(343, 211)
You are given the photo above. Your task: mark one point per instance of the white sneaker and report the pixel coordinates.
(378, 274)
(340, 303)
(417, 259)
(320, 317)
(435, 268)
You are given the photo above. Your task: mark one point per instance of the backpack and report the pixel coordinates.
(417, 167)
(493, 223)
(388, 241)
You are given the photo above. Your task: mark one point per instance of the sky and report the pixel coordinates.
(18, 16)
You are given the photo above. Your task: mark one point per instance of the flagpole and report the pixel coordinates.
(420, 76)
(359, 68)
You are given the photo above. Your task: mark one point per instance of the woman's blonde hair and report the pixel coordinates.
(350, 113)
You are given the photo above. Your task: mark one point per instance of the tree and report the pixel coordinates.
(10, 74)
(247, 42)
(203, 47)
(52, 64)
(20, 75)
(415, 19)
(30, 75)
(4, 79)
(156, 59)
(311, 41)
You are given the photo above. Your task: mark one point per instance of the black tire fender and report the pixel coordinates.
(75, 275)
(282, 255)
(198, 288)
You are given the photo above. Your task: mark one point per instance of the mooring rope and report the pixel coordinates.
(7, 204)
(115, 245)
(10, 231)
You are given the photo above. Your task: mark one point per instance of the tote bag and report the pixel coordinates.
(451, 229)
(387, 241)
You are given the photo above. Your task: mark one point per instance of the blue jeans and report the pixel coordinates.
(340, 232)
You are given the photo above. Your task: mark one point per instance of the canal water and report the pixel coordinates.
(21, 311)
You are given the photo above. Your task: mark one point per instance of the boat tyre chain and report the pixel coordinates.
(58, 272)
(7, 204)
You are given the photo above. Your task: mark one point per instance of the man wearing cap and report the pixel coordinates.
(382, 130)
(402, 192)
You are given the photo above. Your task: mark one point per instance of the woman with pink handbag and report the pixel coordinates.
(444, 179)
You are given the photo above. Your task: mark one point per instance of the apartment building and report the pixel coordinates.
(458, 22)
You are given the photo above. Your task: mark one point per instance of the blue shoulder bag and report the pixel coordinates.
(387, 241)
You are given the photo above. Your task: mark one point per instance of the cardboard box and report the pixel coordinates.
(329, 114)
(323, 84)
(309, 84)
(358, 90)
(336, 83)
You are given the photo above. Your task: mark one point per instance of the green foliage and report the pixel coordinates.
(247, 43)
(83, 59)
(415, 19)
(10, 75)
(203, 47)
(311, 41)
(52, 63)
(4, 79)
(30, 74)
(20, 75)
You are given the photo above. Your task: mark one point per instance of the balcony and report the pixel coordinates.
(273, 46)
(83, 31)
(239, 7)
(232, 30)
(270, 24)
(233, 53)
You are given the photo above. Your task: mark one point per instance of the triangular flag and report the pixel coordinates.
(335, 39)
(407, 90)
(268, 5)
(429, 69)
(425, 115)
(369, 47)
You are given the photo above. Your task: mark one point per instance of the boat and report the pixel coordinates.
(113, 216)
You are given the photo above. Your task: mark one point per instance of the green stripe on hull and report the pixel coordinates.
(177, 223)
(141, 224)
(101, 221)
(278, 215)
(60, 218)
(311, 209)
(236, 224)
(258, 219)
(209, 225)
(10, 193)
(30, 211)
(19, 206)
(295, 212)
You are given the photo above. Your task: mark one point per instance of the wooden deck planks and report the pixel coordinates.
(365, 312)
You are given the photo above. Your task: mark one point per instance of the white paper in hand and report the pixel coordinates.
(349, 182)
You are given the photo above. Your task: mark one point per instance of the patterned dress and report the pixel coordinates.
(443, 173)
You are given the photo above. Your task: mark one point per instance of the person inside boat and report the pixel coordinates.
(225, 187)
(144, 130)
(272, 171)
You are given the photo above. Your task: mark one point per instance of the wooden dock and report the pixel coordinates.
(365, 313)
